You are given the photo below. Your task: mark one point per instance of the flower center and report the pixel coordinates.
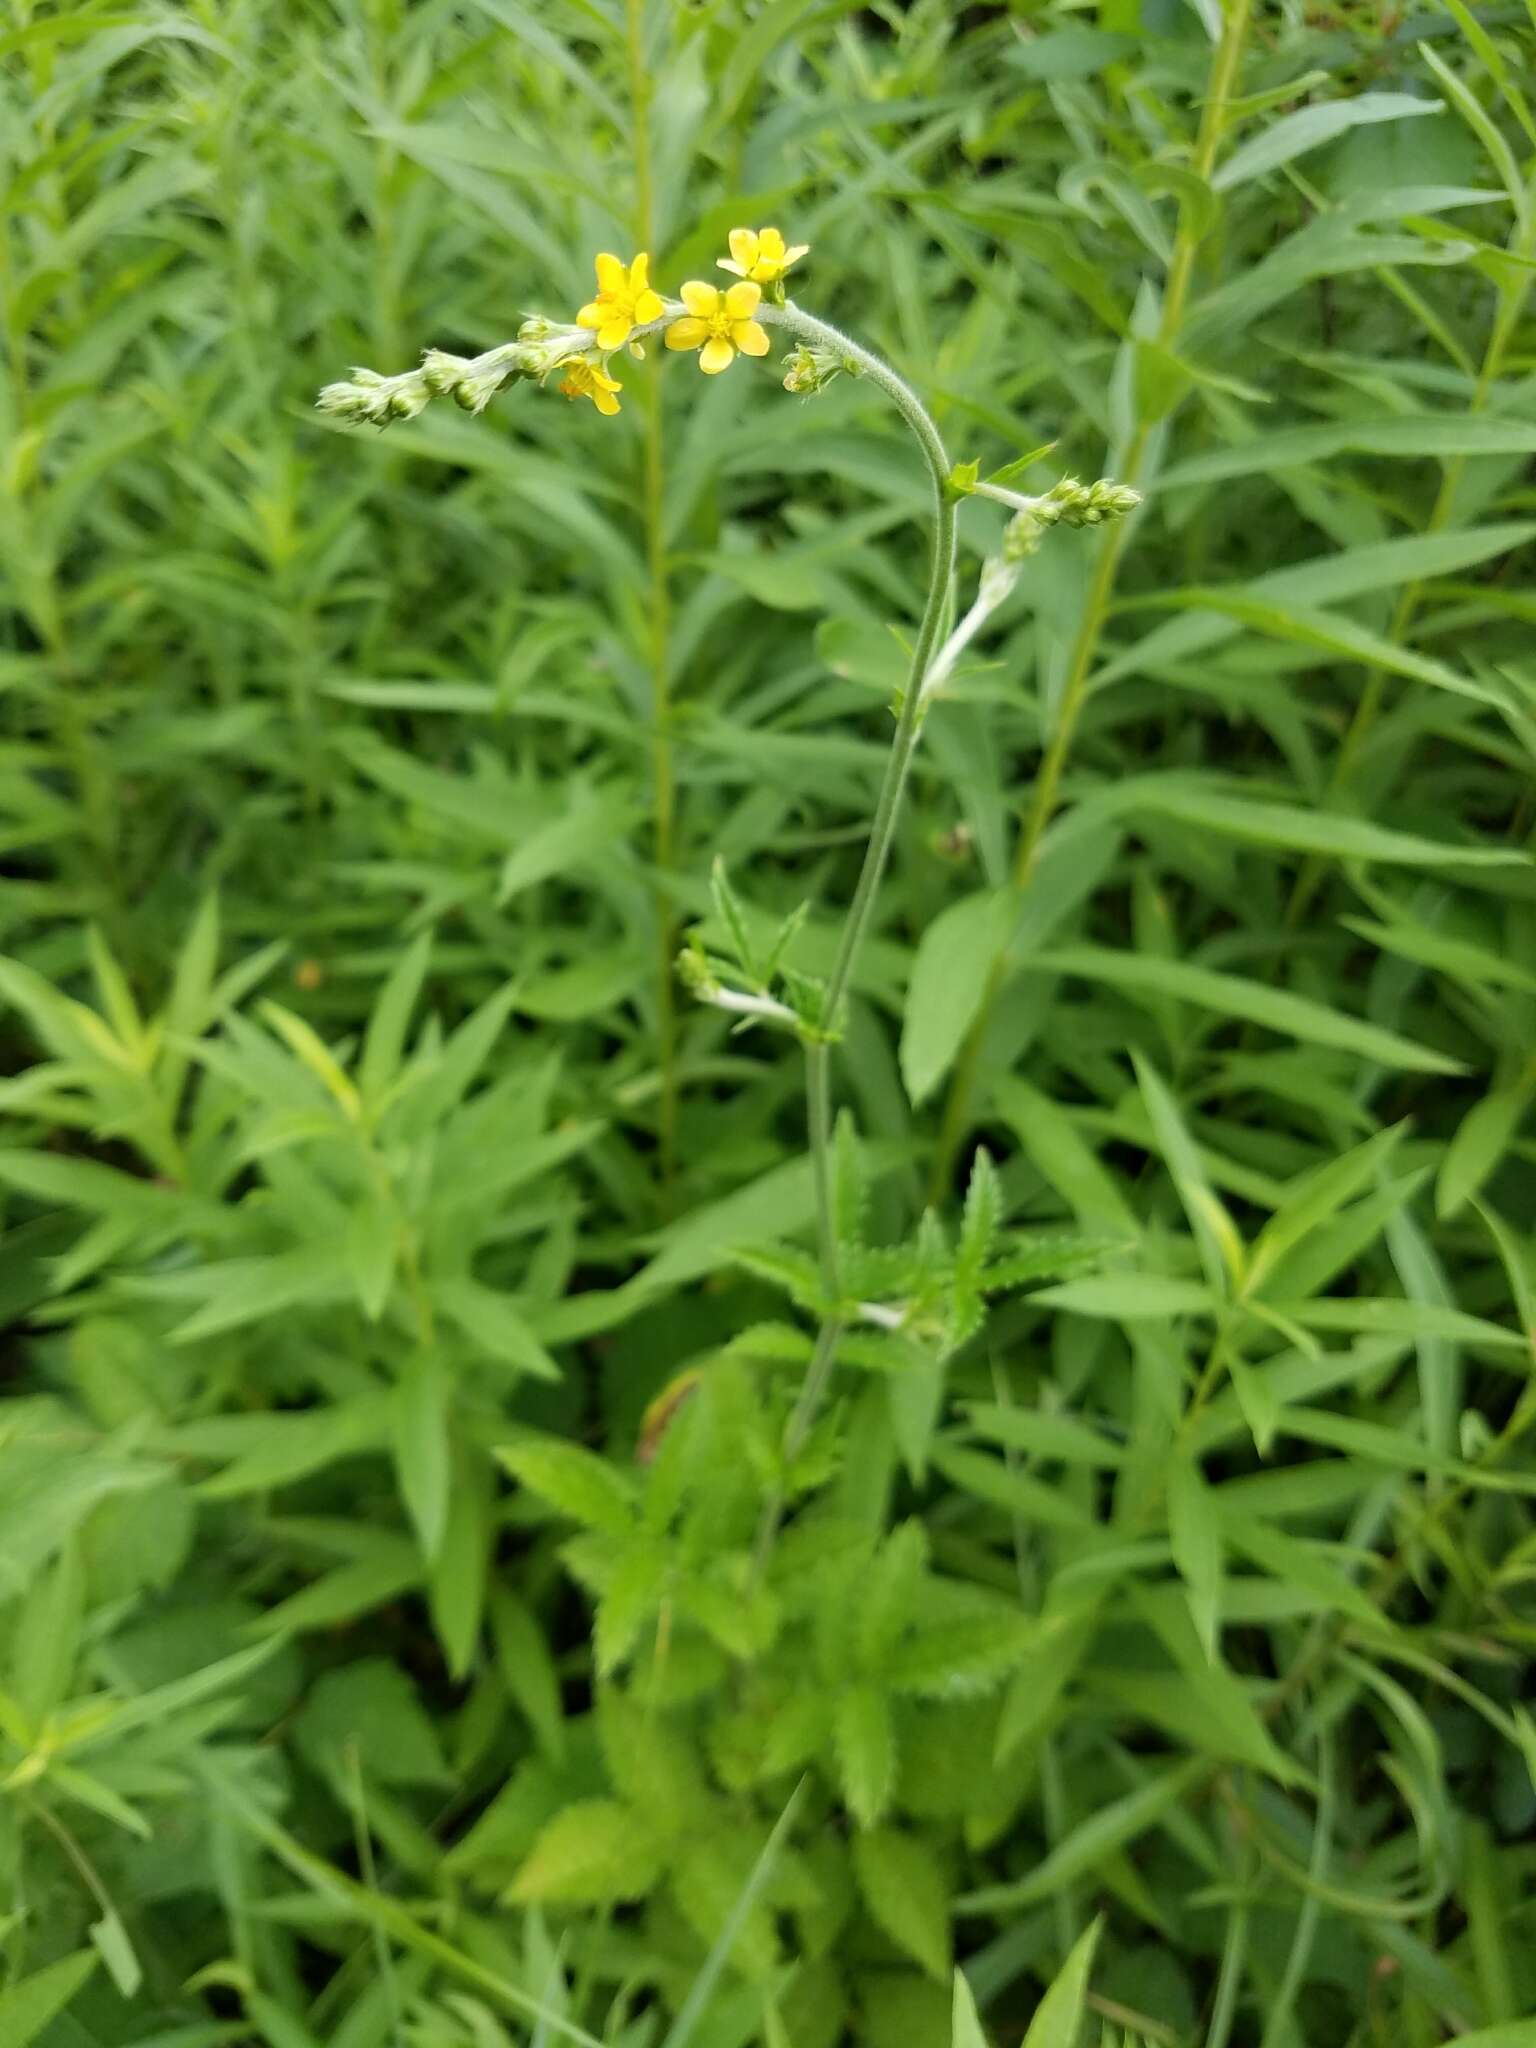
(720, 324)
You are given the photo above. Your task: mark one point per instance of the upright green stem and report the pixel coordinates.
(941, 568)
(1047, 789)
(876, 852)
(653, 508)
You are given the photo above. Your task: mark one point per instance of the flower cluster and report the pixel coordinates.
(717, 324)
(1067, 503)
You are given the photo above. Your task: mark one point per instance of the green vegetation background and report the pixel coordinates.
(369, 1673)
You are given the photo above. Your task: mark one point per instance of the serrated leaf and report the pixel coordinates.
(905, 1892)
(577, 1482)
(596, 1852)
(865, 1743)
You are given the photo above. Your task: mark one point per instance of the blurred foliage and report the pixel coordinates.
(407, 1290)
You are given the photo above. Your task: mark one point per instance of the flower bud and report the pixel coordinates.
(810, 370)
(471, 381)
(367, 399)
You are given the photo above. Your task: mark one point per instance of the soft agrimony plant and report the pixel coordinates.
(927, 1293)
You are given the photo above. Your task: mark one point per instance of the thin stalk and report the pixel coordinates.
(1042, 807)
(653, 514)
(1368, 708)
(1229, 1982)
(877, 849)
(818, 1102)
(1278, 2024)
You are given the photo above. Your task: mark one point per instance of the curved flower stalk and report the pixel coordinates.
(716, 325)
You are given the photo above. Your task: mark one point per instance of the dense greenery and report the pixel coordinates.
(454, 1591)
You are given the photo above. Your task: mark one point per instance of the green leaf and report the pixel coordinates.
(528, 1669)
(950, 976)
(595, 1853)
(905, 1892)
(1309, 127)
(746, 1902)
(110, 1937)
(370, 1710)
(1058, 2018)
(1130, 1297)
(866, 1752)
(1262, 822)
(1231, 996)
(1094, 1840)
(384, 1044)
(1481, 1139)
(495, 1322)
(423, 1457)
(576, 1482)
(965, 2029)
(1194, 1530)
(1052, 1140)
(27, 2007)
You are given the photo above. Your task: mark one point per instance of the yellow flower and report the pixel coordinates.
(624, 300)
(759, 253)
(719, 324)
(585, 379)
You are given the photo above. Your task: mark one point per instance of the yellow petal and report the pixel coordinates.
(741, 300)
(647, 307)
(605, 401)
(639, 273)
(592, 316)
(717, 356)
(793, 255)
(770, 243)
(725, 263)
(686, 333)
(614, 331)
(701, 299)
(751, 339)
(610, 274)
(744, 248)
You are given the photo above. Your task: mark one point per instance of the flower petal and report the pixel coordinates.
(610, 274)
(605, 401)
(793, 255)
(770, 244)
(725, 263)
(686, 333)
(639, 274)
(751, 339)
(701, 299)
(743, 243)
(717, 355)
(741, 300)
(614, 331)
(592, 316)
(648, 307)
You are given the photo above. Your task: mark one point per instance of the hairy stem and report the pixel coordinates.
(876, 852)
